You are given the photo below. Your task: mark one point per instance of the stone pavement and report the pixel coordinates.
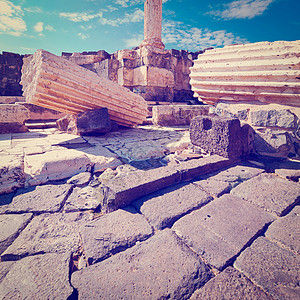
(156, 227)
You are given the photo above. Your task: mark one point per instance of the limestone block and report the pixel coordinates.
(125, 76)
(56, 83)
(12, 174)
(11, 99)
(217, 135)
(41, 113)
(258, 72)
(13, 113)
(174, 115)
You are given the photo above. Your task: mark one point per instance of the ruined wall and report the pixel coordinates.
(10, 74)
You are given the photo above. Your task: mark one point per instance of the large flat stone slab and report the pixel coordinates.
(38, 199)
(222, 228)
(230, 285)
(38, 277)
(269, 192)
(165, 207)
(158, 268)
(113, 233)
(5, 266)
(286, 230)
(10, 228)
(274, 269)
(48, 233)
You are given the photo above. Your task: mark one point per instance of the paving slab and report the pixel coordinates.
(10, 228)
(81, 179)
(271, 267)
(38, 277)
(222, 228)
(286, 230)
(230, 285)
(273, 194)
(84, 199)
(48, 233)
(158, 268)
(38, 199)
(165, 207)
(5, 266)
(288, 169)
(113, 233)
(214, 187)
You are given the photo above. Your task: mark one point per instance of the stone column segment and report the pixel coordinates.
(56, 83)
(259, 72)
(152, 24)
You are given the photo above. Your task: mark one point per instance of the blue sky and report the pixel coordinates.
(91, 25)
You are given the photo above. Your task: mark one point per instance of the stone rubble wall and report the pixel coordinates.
(58, 84)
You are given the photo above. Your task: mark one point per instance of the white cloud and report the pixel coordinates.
(134, 41)
(135, 17)
(243, 9)
(50, 28)
(39, 27)
(80, 17)
(11, 19)
(194, 39)
(34, 9)
(83, 36)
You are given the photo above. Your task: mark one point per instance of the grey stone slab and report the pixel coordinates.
(269, 192)
(38, 199)
(113, 233)
(38, 277)
(288, 170)
(221, 229)
(48, 233)
(5, 266)
(271, 267)
(80, 179)
(84, 199)
(159, 268)
(286, 230)
(10, 228)
(163, 208)
(230, 285)
(214, 187)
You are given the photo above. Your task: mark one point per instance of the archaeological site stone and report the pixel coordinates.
(217, 135)
(64, 86)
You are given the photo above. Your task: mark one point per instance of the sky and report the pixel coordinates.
(91, 25)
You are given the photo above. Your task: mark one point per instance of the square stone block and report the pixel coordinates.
(217, 135)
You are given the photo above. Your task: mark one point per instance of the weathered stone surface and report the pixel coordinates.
(38, 277)
(286, 230)
(55, 165)
(288, 169)
(217, 135)
(269, 192)
(165, 207)
(228, 218)
(93, 121)
(13, 113)
(230, 285)
(273, 118)
(5, 266)
(214, 187)
(158, 268)
(174, 115)
(274, 269)
(11, 173)
(44, 198)
(81, 179)
(113, 233)
(84, 199)
(48, 233)
(10, 227)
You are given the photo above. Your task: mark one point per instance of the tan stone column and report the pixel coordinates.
(152, 24)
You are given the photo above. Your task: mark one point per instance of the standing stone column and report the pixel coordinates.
(152, 24)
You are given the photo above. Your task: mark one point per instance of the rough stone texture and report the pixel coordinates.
(39, 199)
(174, 115)
(274, 269)
(5, 266)
(11, 173)
(165, 207)
(217, 135)
(231, 223)
(273, 118)
(13, 113)
(38, 277)
(113, 233)
(230, 285)
(93, 121)
(158, 268)
(10, 228)
(269, 192)
(84, 199)
(48, 233)
(286, 230)
(55, 165)
(288, 169)
(81, 179)
(214, 187)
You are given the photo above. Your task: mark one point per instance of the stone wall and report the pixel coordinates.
(10, 74)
